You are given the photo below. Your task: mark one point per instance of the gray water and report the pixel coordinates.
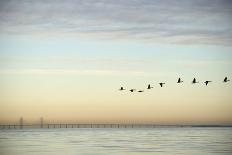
(158, 141)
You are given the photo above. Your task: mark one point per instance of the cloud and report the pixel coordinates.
(60, 72)
(74, 61)
(202, 64)
(185, 22)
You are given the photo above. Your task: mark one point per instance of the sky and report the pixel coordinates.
(65, 61)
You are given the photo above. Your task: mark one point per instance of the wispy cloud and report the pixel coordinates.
(112, 73)
(105, 67)
(171, 21)
(63, 60)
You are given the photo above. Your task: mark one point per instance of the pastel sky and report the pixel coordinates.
(66, 60)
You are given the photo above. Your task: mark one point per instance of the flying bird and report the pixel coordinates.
(226, 80)
(149, 86)
(195, 81)
(132, 90)
(161, 84)
(206, 82)
(179, 81)
(141, 91)
(122, 88)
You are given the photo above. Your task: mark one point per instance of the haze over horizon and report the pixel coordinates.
(66, 60)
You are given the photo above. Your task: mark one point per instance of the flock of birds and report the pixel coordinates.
(178, 81)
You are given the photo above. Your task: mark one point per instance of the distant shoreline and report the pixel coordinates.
(52, 126)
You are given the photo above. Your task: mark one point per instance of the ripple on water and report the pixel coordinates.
(163, 141)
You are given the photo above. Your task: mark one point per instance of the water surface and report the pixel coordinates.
(100, 141)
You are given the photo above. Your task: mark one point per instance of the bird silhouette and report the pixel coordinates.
(225, 79)
(149, 86)
(122, 88)
(140, 91)
(179, 81)
(161, 84)
(206, 82)
(132, 90)
(195, 81)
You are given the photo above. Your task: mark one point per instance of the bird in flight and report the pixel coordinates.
(140, 91)
(149, 86)
(161, 84)
(206, 82)
(226, 80)
(195, 81)
(122, 88)
(179, 81)
(132, 90)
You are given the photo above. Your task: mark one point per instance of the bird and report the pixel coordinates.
(122, 88)
(194, 81)
(140, 91)
(161, 84)
(132, 90)
(225, 79)
(179, 81)
(206, 82)
(149, 86)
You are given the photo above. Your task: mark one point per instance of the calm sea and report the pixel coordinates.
(97, 141)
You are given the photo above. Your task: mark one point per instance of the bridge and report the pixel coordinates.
(48, 126)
